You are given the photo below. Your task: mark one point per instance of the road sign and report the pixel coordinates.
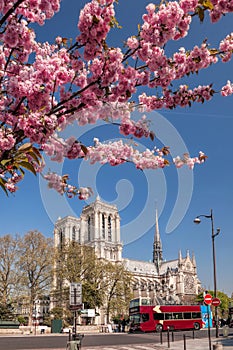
(208, 299)
(76, 307)
(75, 293)
(216, 301)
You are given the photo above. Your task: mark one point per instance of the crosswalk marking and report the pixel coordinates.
(124, 347)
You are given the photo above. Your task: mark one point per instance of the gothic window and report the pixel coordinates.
(89, 228)
(109, 228)
(103, 226)
(74, 234)
(61, 239)
(79, 236)
(189, 284)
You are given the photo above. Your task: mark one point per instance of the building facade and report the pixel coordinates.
(172, 282)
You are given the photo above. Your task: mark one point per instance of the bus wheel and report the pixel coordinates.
(196, 326)
(159, 328)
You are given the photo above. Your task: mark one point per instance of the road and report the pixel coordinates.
(107, 340)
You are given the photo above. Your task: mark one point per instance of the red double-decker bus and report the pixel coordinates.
(148, 318)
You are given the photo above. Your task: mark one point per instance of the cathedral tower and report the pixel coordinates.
(157, 246)
(97, 227)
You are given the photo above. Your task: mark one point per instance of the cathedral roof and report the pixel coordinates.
(171, 264)
(140, 267)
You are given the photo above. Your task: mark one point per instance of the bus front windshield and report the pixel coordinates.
(135, 318)
(140, 302)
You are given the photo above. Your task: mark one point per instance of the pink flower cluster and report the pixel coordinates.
(138, 128)
(7, 140)
(59, 183)
(45, 88)
(226, 48)
(35, 10)
(220, 7)
(182, 97)
(94, 24)
(118, 152)
(227, 90)
(11, 181)
(190, 162)
(168, 23)
(58, 149)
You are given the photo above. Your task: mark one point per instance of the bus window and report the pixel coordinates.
(196, 315)
(159, 316)
(168, 316)
(187, 315)
(134, 303)
(146, 301)
(177, 316)
(145, 317)
(135, 318)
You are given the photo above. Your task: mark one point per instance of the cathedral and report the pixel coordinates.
(165, 282)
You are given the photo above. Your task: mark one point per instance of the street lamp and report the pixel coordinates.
(197, 220)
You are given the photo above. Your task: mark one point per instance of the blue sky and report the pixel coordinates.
(179, 195)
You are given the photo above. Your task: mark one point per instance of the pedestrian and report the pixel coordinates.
(123, 324)
(119, 326)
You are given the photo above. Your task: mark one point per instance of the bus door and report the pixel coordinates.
(145, 322)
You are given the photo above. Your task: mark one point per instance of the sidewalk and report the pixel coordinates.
(191, 344)
(199, 344)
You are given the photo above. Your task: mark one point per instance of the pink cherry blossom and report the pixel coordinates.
(47, 87)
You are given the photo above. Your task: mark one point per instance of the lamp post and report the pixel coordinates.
(34, 316)
(197, 220)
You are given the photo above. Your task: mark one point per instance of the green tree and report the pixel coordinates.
(6, 311)
(35, 263)
(56, 312)
(8, 267)
(224, 305)
(75, 263)
(116, 287)
(103, 283)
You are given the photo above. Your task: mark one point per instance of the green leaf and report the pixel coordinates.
(27, 166)
(2, 184)
(22, 171)
(25, 147)
(37, 152)
(214, 51)
(200, 13)
(152, 135)
(34, 156)
(208, 4)
(5, 161)
(84, 149)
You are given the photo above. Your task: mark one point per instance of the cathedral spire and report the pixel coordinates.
(194, 260)
(157, 246)
(180, 256)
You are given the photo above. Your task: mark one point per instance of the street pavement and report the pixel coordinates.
(191, 344)
(221, 343)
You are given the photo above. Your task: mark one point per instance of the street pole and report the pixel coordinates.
(209, 337)
(213, 235)
(214, 266)
(35, 318)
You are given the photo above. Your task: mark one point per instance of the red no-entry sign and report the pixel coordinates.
(208, 299)
(216, 301)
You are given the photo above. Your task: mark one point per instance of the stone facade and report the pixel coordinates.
(97, 227)
(173, 281)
